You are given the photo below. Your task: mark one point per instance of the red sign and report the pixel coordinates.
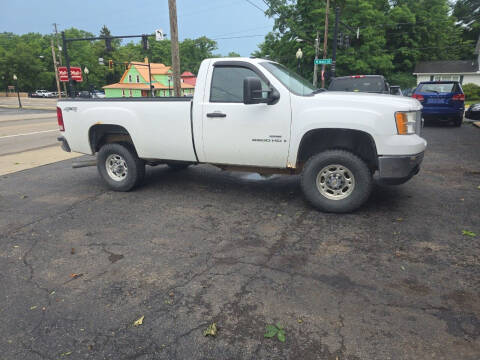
(75, 72)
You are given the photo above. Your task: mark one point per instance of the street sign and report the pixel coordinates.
(323, 61)
(75, 72)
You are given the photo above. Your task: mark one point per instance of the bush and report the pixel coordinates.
(472, 92)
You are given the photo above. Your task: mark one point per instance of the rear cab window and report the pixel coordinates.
(360, 84)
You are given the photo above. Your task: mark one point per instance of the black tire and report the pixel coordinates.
(135, 166)
(458, 121)
(357, 194)
(178, 166)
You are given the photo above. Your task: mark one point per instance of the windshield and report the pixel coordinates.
(361, 84)
(294, 82)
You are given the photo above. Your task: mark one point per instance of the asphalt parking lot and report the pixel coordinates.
(395, 280)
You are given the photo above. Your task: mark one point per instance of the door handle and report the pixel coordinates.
(216, 115)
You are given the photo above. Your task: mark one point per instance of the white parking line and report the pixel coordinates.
(32, 133)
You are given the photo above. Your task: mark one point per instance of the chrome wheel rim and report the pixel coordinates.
(335, 182)
(116, 167)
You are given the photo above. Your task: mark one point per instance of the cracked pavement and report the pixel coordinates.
(394, 280)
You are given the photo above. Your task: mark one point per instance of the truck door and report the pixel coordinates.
(239, 134)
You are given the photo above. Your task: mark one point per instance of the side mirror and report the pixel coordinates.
(252, 92)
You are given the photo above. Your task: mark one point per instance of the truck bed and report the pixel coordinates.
(159, 127)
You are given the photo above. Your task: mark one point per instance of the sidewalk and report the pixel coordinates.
(28, 103)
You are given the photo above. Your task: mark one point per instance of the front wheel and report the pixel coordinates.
(336, 181)
(120, 167)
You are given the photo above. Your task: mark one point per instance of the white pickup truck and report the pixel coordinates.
(254, 115)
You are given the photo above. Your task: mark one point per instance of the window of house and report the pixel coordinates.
(129, 78)
(130, 93)
(446, 78)
(123, 92)
(138, 79)
(227, 84)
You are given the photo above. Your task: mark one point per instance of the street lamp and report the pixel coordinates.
(86, 72)
(299, 56)
(18, 94)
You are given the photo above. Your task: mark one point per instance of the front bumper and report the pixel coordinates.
(64, 145)
(395, 170)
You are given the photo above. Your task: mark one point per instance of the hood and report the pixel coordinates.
(400, 103)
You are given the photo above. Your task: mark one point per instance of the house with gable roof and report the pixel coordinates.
(463, 71)
(135, 81)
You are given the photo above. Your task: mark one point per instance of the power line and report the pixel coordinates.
(238, 37)
(270, 7)
(255, 5)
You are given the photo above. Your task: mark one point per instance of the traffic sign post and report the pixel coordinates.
(323, 61)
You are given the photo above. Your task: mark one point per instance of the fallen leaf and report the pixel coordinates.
(53, 292)
(300, 321)
(171, 294)
(66, 353)
(74, 276)
(402, 267)
(139, 321)
(211, 330)
(33, 307)
(399, 219)
(468, 233)
(16, 246)
(23, 196)
(72, 251)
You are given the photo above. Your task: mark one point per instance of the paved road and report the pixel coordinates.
(39, 103)
(18, 134)
(28, 138)
(395, 280)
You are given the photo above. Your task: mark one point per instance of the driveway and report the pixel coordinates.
(395, 280)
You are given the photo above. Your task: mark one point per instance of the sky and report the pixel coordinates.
(236, 25)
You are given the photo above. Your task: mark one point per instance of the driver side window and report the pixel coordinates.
(227, 84)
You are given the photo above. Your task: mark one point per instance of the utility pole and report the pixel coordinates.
(315, 66)
(325, 40)
(56, 71)
(335, 40)
(172, 7)
(59, 55)
(67, 62)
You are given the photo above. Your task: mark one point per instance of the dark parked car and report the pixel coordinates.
(408, 92)
(473, 112)
(360, 83)
(84, 94)
(396, 90)
(441, 100)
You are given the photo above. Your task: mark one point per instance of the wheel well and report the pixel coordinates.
(100, 135)
(358, 142)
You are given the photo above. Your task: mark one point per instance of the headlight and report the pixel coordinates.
(405, 121)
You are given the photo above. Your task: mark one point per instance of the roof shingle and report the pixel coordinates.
(449, 67)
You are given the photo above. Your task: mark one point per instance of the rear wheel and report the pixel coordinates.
(336, 181)
(120, 167)
(458, 121)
